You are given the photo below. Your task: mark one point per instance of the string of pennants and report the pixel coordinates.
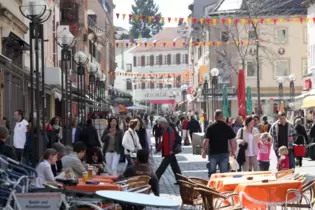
(213, 21)
(182, 44)
(164, 81)
(151, 75)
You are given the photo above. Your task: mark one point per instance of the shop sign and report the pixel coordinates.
(35, 201)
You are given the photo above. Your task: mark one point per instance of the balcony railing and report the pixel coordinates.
(232, 91)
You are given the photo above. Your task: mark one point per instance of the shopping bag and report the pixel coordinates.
(233, 164)
(299, 150)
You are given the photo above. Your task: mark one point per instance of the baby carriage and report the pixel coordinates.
(95, 157)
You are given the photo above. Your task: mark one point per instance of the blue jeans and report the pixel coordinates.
(218, 159)
(291, 159)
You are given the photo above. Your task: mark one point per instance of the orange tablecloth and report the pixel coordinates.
(93, 188)
(231, 174)
(114, 178)
(258, 195)
(229, 183)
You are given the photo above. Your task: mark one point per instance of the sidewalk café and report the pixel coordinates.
(233, 190)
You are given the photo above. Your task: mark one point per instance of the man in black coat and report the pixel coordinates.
(193, 126)
(5, 149)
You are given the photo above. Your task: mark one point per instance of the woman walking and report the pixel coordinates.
(112, 138)
(248, 138)
(142, 134)
(301, 139)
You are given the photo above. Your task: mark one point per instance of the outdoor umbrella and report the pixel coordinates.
(249, 101)
(225, 102)
(241, 94)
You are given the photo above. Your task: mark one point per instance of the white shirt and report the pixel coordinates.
(44, 173)
(131, 142)
(73, 134)
(251, 144)
(19, 136)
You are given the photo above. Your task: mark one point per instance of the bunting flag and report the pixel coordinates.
(214, 21)
(152, 76)
(182, 44)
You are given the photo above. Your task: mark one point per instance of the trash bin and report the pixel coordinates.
(197, 139)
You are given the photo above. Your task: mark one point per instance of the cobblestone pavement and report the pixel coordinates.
(194, 165)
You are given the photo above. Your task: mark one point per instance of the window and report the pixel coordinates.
(282, 35)
(281, 68)
(129, 67)
(157, 60)
(128, 84)
(251, 35)
(305, 66)
(224, 36)
(139, 61)
(165, 60)
(148, 61)
(251, 69)
(173, 59)
(184, 59)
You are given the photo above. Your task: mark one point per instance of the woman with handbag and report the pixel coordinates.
(300, 142)
(131, 142)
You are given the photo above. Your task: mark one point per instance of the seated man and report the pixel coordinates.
(73, 160)
(60, 148)
(5, 149)
(142, 168)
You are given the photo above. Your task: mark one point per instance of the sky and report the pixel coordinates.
(168, 8)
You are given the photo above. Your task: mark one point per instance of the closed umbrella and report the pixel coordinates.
(249, 101)
(241, 94)
(225, 102)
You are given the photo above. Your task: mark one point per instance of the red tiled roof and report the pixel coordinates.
(168, 34)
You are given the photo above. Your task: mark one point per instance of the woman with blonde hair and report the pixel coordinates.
(43, 169)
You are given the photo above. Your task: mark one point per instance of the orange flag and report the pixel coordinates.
(150, 19)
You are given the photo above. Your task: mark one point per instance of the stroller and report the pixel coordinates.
(95, 157)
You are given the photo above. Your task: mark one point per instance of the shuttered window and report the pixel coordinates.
(142, 60)
(134, 61)
(169, 57)
(151, 60)
(160, 59)
(186, 59)
(177, 58)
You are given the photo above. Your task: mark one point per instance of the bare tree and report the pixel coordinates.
(247, 29)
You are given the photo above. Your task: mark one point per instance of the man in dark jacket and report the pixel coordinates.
(157, 132)
(90, 136)
(5, 149)
(167, 147)
(193, 126)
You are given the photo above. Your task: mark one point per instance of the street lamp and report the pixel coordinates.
(280, 81)
(183, 89)
(102, 87)
(65, 41)
(292, 91)
(92, 70)
(205, 90)
(214, 75)
(81, 59)
(38, 12)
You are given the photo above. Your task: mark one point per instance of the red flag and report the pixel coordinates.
(262, 20)
(249, 21)
(117, 44)
(204, 43)
(145, 44)
(181, 20)
(127, 44)
(169, 19)
(301, 20)
(236, 21)
(195, 43)
(130, 16)
(174, 44)
(184, 44)
(154, 44)
(117, 15)
(164, 44)
(242, 43)
(213, 43)
(194, 20)
(208, 20)
(314, 20)
(275, 21)
(143, 18)
(223, 21)
(156, 18)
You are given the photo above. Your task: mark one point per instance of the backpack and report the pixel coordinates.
(264, 128)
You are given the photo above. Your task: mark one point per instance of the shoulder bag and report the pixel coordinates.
(177, 147)
(133, 154)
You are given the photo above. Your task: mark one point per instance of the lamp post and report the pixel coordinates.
(183, 89)
(38, 12)
(65, 41)
(214, 81)
(92, 72)
(81, 59)
(102, 86)
(205, 91)
(280, 82)
(292, 90)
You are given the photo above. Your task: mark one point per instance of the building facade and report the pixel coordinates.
(281, 51)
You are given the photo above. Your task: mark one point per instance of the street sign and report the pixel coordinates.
(35, 201)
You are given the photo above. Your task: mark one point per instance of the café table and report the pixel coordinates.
(228, 184)
(240, 174)
(260, 195)
(92, 188)
(103, 180)
(138, 199)
(114, 178)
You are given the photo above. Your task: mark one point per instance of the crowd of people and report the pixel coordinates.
(249, 141)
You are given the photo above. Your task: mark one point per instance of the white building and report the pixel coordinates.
(159, 71)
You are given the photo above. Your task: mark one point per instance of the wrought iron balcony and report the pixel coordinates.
(232, 91)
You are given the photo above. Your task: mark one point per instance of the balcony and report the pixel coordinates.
(69, 14)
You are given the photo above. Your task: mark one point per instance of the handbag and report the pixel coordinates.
(132, 154)
(177, 148)
(299, 150)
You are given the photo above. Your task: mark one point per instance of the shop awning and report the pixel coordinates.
(308, 102)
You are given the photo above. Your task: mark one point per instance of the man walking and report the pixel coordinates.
(283, 133)
(218, 139)
(167, 147)
(19, 136)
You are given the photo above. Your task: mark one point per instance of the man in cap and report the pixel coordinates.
(167, 146)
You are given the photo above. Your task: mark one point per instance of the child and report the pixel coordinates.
(264, 148)
(283, 163)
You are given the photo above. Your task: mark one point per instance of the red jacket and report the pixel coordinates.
(185, 124)
(167, 145)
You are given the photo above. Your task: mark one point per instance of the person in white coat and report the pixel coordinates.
(131, 142)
